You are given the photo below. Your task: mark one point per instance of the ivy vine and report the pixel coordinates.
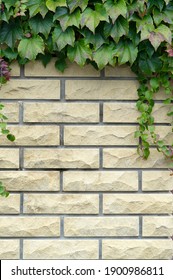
(99, 32)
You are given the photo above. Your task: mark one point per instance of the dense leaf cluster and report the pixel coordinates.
(100, 32)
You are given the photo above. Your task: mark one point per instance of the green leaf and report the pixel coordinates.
(41, 25)
(154, 83)
(126, 52)
(9, 53)
(79, 53)
(53, 4)
(66, 19)
(118, 29)
(63, 38)
(91, 18)
(30, 47)
(61, 64)
(73, 4)
(11, 137)
(105, 55)
(10, 33)
(45, 58)
(96, 39)
(150, 65)
(37, 6)
(115, 9)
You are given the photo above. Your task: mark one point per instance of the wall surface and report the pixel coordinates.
(78, 188)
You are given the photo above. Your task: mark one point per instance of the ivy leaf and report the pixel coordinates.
(150, 65)
(45, 58)
(79, 53)
(115, 9)
(63, 38)
(9, 53)
(11, 137)
(37, 6)
(61, 64)
(10, 33)
(146, 26)
(9, 3)
(105, 55)
(120, 28)
(66, 19)
(30, 47)
(53, 4)
(73, 4)
(96, 39)
(91, 18)
(126, 52)
(161, 34)
(41, 25)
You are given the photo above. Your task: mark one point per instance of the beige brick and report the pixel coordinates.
(138, 249)
(61, 203)
(100, 135)
(29, 226)
(61, 158)
(120, 112)
(15, 69)
(11, 111)
(9, 249)
(158, 226)
(129, 158)
(95, 227)
(137, 203)
(32, 136)
(165, 133)
(100, 181)
(31, 89)
(10, 204)
(157, 181)
(127, 113)
(61, 249)
(9, 158)
(61, 112)
(31, 180)
(119, 71)
(37, 69)
(102, 89)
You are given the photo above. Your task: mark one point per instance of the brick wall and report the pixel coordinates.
(78, 189)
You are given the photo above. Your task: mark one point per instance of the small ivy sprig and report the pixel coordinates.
(4, 77)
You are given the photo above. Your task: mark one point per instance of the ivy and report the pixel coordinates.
(100, 32)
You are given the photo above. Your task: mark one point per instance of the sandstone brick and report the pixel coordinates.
(120, 113)
(127, 113)
(61, 249)
(29, 226)
(31, 180)
(100, 181)
(158, 226)
(157, 181)
(9, 249)
(37, 69)
(9, 158)
(138, 249)
(15, 69)
(11, 111)
(31, 89)
(129, 158)
(119, 71)
(137, 203)
(61, 112)
(95, 227)
(33, 136)
(61, 158)
(101, 135)
(102, 89)
(10, 204)
(61, 203)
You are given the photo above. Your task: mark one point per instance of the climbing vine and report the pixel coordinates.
(99, 32)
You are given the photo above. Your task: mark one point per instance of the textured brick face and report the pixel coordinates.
(78, 188)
